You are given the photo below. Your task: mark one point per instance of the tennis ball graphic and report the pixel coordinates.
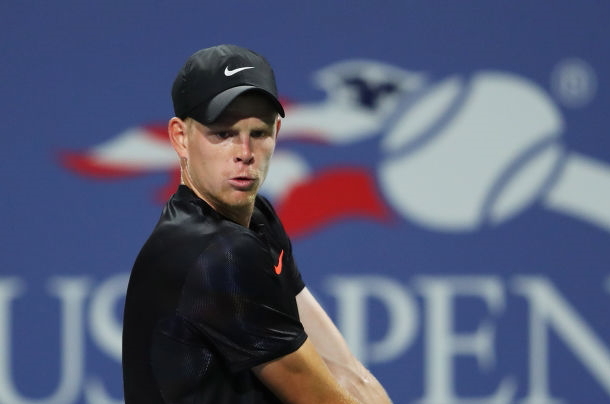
(471, 152)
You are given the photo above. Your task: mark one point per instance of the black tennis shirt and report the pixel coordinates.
(207, 300)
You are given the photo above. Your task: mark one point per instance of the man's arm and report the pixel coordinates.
(302, 377)
(330, 344)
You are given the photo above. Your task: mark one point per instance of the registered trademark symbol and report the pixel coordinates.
(574, 82)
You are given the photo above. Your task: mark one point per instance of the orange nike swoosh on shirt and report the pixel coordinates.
(278, 267)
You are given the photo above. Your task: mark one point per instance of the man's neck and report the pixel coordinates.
(238, 214)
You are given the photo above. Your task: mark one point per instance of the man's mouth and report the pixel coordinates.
(242, 183)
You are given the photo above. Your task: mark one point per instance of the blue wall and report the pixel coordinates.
(444, 170)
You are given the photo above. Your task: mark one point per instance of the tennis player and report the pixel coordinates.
(216, 310)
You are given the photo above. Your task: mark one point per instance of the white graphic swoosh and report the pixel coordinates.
(232, 72)
(583, 190)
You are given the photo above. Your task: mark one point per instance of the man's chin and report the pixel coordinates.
(241, 199)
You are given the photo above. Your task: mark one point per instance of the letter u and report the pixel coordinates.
(71, 292)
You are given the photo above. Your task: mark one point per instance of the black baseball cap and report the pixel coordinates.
(211, 78)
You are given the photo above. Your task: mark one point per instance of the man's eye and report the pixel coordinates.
(258, 133)
(223, 135)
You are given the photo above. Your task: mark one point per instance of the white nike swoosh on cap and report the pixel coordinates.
(232, 72)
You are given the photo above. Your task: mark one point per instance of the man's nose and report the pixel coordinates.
(244, 149)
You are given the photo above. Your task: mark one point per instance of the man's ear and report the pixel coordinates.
(278, 125)
(176, 129)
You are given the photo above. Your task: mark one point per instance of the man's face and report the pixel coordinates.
(227, 161)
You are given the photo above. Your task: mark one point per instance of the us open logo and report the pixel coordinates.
(461, 156)
(491, 144)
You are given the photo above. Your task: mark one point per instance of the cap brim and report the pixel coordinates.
(209, 114)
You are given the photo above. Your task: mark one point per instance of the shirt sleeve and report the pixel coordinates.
(235, 299)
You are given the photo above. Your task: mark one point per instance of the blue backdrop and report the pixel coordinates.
(443, 169)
